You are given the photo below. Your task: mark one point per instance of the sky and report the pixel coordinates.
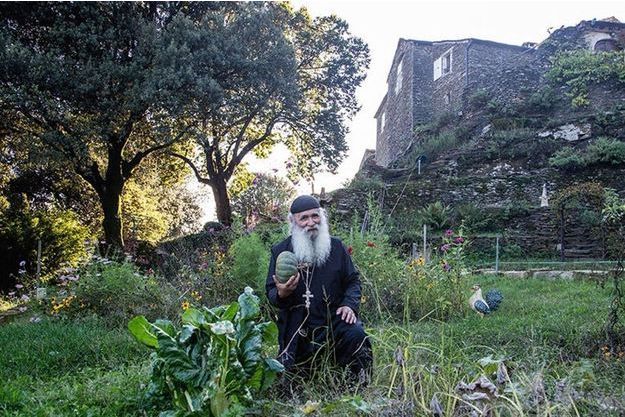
(382, 23)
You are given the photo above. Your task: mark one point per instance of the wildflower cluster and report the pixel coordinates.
(62, 303)
(434, 288)
(607, 354)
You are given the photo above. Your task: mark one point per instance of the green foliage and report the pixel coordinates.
(382, 274)
(63, 242)
(250, 261)
(436, 215)
(519, 143)
(266, 199)
(106, 93)
(116, 291)
(541, 101)
(479, 98)
(434, 146)
(613, 217)
(473, 219)
(435, 289)
(567, 159)
(289, 80)
(216, 363)
(606, 151)
(365, 184)
(580, 69)
(603, 151)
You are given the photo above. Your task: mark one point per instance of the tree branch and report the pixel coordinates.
(129, 166)
(191, 165)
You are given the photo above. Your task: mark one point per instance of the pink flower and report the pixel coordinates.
(459, 240)
(449, 232)
(445, 247)
(19, 286)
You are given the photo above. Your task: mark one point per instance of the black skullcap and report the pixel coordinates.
(303, 203)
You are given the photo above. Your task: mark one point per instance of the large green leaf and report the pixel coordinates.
(186, 333)
(166, 326)
(249, 305)
(176, 360)
(269, 330)
(194, 317)
(141, 329)
(230, 312)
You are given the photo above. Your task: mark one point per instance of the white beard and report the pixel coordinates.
(309, 249)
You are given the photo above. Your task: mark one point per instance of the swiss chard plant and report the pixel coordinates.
(216, 364)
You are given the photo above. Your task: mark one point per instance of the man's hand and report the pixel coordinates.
(347, 314)
(286, 289)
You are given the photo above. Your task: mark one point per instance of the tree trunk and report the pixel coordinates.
(222, 201)
(112, 223)
(111, 199)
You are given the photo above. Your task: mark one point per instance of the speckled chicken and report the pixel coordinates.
(485, 305)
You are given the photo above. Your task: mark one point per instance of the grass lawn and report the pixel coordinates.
(546, 333)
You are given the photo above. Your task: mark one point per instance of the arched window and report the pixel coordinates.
(606, 45)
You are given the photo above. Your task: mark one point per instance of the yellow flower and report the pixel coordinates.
(185, 305)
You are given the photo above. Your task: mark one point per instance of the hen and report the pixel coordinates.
(485, 305)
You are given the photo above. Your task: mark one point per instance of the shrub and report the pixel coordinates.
(436, 145)
(250, 261)
(382, 274)
(581, 68)
(436, 215)
(479, 98)
(115, 291)
(568, 159)
(62, 242)
(542, 100)
(606, 151)
(512, 144)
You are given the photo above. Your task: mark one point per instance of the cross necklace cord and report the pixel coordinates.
(307, 281)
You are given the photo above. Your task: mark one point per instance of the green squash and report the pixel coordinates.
(286, 266)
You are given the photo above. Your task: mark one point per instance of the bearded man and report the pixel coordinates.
(318, 307)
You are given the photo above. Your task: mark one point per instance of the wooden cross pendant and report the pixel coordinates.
(308, 295)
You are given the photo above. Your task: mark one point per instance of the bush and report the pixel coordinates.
(514, 143)
(250, 262)
(62, 242)
(115, 291)
(567, 159)
(479, 99)
(541, 101)
(606, 151)
(436, 215)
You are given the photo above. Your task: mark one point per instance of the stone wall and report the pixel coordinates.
(422, 82)
(447, 90)
(397, 108)
(411, 106)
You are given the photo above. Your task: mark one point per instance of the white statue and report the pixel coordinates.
(544, 201)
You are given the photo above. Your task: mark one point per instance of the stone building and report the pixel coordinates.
(430, 78)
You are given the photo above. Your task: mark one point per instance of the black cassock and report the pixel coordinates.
(334, 284)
